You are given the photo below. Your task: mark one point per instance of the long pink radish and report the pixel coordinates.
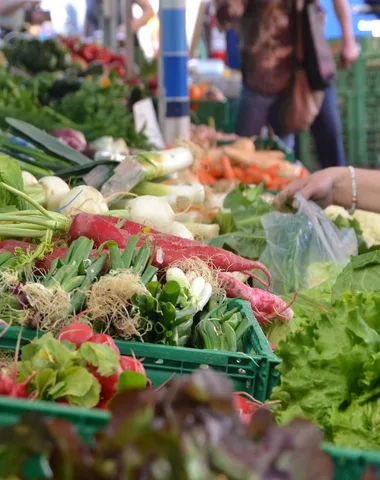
(265, 305)
(169, 249)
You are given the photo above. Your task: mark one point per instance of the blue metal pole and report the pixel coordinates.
(174, 93)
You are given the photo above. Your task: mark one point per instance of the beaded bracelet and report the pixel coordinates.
(354, 190)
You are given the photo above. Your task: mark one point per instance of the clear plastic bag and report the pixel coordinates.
(303, 245)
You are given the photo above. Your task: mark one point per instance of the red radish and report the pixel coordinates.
(170, 248)
(265, 305)
(6, 385)
(245, 407)
(108, 384)
(103, 404)
(10, 388)
(133, 365)
(76, 333)
(104, 339)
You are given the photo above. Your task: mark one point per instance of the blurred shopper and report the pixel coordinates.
(267, 32)
(12, 13)
(92, 19)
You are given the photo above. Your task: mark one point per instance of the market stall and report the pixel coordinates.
(158, 317)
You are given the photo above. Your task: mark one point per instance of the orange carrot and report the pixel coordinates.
(227, 168)
(205, 177)
(239, 173)
(216, 170)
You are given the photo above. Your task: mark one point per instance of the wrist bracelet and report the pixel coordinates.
(354, 190)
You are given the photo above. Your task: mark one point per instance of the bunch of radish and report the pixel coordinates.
(79, 333)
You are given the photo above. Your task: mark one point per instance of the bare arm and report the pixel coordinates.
(333, 186)
(148, 14)
(368, 189)
(350, 51)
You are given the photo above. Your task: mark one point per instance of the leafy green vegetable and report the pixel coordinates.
(100, 356)
(62, 371)
(329, 371)
(362, 274)
(10, 173)
(240, 222)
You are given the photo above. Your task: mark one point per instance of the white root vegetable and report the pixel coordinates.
(153, 212)
(28, 179)
(177, 275)
(56, 189)
(203, 231)
(179, 230)
(83, 199)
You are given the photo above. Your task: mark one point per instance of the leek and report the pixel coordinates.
(194, 193)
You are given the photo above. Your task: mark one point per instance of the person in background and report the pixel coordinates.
(267, 59)
(349, 188)
(12, 13)
(92, 21)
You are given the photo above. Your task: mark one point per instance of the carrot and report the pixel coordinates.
(265, 305)
(205, 177)
(239, 173)
(206, 162)
(169, 248)
(216, 170)
(272, 171)
(227, 168)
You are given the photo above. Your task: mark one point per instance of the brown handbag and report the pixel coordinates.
(318, 59)
(302, 103)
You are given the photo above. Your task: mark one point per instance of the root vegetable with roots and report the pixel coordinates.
(45, 309)
(109, 300)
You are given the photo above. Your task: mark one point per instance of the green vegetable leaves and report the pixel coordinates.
(330, 365)
(100, 356)
(240, 222)
(362, 274)
(10, 174)
(63, 372)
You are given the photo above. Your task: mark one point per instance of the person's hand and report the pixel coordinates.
(350, 53)
(318, 187)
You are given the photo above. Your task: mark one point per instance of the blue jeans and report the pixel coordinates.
(257, 111)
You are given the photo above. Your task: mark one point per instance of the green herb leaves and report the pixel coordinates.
(63, 372)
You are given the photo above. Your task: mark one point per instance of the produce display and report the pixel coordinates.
(37, 56)
(78, 368)
(241, 162)
(85, 53)
(108, 245)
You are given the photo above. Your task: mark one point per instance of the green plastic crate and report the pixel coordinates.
(351, 464)
(252, 372)
(206, 111)
(359, 101)
(87, 422)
